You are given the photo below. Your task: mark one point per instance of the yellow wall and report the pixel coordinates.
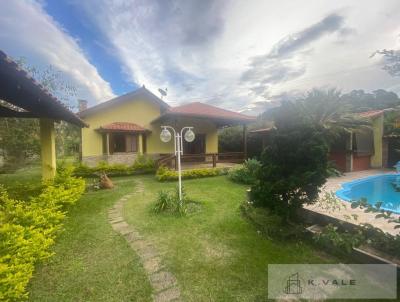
(141, 112)
(376, 159)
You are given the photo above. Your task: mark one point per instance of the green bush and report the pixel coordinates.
(294, 167)
(168, 202)
(142, 165)
(245, 173)
(28, 229)
(165, 174)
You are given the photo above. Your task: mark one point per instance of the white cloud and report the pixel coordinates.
(200, 50)
(28, 31)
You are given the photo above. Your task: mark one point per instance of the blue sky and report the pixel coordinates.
(239, 55)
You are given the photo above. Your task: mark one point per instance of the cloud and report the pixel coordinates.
(28, 31)
(287, 58)
(292, 43)
(234, 55)
(160, 43)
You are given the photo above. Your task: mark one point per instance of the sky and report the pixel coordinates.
(238, 55)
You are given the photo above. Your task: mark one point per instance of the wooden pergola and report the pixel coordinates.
(29, 99)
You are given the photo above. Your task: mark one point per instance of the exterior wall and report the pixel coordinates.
(361, 162)
(200, 126)
(376, 159)
(141, 112)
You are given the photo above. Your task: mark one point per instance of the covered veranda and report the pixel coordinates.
(23, 97)
(194, 153)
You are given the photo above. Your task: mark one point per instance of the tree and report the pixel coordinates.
(294, 165)
(391, 61)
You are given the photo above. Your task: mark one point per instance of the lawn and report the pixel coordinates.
(215, 254)
(92, 262)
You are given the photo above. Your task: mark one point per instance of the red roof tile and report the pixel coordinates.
(122, 126)
(372, 113)
(205, 110)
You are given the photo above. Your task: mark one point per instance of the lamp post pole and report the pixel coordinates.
(189, 136)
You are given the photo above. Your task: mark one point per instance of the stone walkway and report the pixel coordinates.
(164, 284)
(344, 209)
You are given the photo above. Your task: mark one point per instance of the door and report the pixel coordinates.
(198, 146)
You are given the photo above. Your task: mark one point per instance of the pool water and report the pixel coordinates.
(377, 188)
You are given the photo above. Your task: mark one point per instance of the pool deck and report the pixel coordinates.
(344, 209)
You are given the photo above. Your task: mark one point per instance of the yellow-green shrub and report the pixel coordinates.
(165, 174)
(28, 228)
(142, 165)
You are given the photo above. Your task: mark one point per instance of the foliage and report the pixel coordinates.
(269, 224)
(230, 139)
(245, 173)
(142, 165)
(168, 202)
(391, 61)
(165, 174)
(362, 234)
(19, 141)
(342, 241)
(332, 170)
(294, 166)
(29, 227)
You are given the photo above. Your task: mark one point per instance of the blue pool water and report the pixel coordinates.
(377, 188)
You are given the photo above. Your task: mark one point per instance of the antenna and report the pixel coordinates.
(163, 92)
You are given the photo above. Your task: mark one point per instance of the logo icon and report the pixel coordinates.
(293, 285)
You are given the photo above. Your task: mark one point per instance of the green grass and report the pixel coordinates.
(215, 254)
(92, 262)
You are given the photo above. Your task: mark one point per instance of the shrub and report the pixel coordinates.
(245, 173)
(142, 165)
(294, 167)
(168, 202)
(29, 227)
(165, 174)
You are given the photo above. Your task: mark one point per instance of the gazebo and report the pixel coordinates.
(29, 99)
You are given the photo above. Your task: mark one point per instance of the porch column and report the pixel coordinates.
(377, 128)
(245, 141)
(108, 143)
(48, 148)
(140, 143)
(349, 153)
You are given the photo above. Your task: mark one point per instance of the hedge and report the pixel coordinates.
(142, 165)
(28, 229)
(165, 174)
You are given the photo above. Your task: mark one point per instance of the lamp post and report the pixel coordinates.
(189, 136)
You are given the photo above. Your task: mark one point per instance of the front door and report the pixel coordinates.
(198, 146)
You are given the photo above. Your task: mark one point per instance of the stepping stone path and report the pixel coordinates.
(163, 282)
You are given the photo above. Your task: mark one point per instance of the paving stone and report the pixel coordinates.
(126, 230)
(170, 294)
(152, 265)
(113, 221)
(163, 282)
(133, 236)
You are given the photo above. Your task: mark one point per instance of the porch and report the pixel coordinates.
(200, 161)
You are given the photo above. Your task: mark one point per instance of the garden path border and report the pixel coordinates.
(163, 282)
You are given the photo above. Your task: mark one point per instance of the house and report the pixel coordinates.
(360, 149)
(126, 126)
(23, 97)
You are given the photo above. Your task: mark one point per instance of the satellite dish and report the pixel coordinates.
(163, 92)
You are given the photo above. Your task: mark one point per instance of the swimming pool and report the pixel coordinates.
(376, 188)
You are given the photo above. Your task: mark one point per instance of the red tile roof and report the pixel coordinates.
(122, 126)
(204, 110)
(372, 113)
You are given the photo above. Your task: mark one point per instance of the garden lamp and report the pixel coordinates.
(189, 136)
